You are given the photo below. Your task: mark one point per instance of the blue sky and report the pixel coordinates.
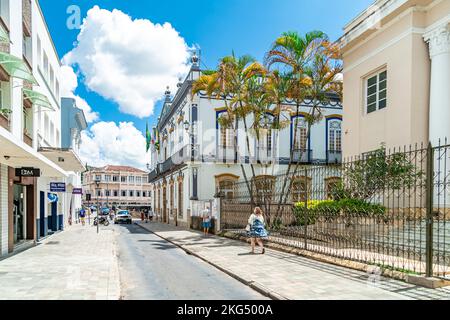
(245, 26)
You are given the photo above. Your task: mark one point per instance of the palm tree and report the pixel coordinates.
(229, 84)
(313, 64)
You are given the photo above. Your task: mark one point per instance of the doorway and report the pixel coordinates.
(19, 214)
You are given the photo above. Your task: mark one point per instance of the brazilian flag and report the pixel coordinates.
(148, 137)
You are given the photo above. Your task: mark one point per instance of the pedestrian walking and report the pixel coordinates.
(206, 222)
(142, 215)
(146, 215)
(256, 229)
(151, 214)
(83, 216)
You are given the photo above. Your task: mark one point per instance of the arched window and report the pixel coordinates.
(263, 188)
(264, 141)
(300, 188)
(225, 185)
(300, 135)
(330, 186)
(335, 136)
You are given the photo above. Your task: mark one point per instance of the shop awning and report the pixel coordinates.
(16, 154)
(37, 99)
(67, 159)
(16, 67)
(4, 37)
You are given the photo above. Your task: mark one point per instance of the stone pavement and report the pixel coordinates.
(283, 275)
(76, 264)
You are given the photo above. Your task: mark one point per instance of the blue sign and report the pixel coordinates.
(57, 187)
(52, 197)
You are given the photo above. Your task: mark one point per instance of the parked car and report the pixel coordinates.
(123, 216)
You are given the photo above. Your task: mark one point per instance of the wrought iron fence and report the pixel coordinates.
(387, 208)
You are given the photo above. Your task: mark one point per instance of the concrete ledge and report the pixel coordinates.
(431, 283)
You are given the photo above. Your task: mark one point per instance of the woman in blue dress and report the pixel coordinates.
(257, 230)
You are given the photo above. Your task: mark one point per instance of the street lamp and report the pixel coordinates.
(97, 183)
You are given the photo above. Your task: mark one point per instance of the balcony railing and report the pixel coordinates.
(225, 153)
(263, 154)
(334, 156)
(302, 155)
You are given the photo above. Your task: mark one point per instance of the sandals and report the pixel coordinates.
(263, 251)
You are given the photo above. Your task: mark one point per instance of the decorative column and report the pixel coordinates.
(439, 46)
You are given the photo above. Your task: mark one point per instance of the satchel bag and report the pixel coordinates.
(248, 228)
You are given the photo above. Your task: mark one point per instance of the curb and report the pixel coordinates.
(252, 284)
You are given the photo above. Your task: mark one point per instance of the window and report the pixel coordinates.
(376, 92)
(45, 65)
(52, 133)
(57, 138)
(138, 193)
(46, 128)
(330, 186)
(300, 186)
(27, 122)
(138, 180)
(39, 51)
(98, 177)
(4, 11)
(115, 178)
(57, 90)
(226, 188)
(26, 47)
(99, 193)
(124, 193)
(123, 179)
(116, 193)
(108, 193)
(301, 139)
(107, 178)
(52, 79)
(131, 179)
(131, 193)
(335, 136)
(144, 194)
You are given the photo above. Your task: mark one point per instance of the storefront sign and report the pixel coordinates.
(57, 187)
(28, 172)
(77, 191)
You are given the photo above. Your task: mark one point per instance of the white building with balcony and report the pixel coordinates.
(30, 128)
(196, 158)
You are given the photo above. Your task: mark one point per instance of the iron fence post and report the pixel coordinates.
(429, 204)
(306, 209)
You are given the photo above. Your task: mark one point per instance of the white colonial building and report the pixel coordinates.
(197, 159)
(30, 128)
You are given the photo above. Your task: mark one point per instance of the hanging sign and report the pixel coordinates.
(57, 187)
(28, 172)
(77, 191)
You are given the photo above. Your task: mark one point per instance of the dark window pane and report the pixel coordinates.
(372, 99)
(371, 107)
(382, 85)
(371, 90)
(382, 104)
(383, 75)
(372, 81)
(382, 95)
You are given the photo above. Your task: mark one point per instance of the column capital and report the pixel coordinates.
(438, 40)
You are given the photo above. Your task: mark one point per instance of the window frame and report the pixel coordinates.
(377, 92)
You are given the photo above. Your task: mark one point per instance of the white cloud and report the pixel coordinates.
(128, 61)
(68, 87)
(108, 143)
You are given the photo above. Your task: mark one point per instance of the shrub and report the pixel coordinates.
(332, 208)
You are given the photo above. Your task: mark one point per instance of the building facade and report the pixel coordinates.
(396, 75)
(118, 186)
(196, 158)
(30, 128)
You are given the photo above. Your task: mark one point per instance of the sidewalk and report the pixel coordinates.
(76, 264)
(287, 276)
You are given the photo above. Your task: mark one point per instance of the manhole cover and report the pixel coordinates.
(52, 242)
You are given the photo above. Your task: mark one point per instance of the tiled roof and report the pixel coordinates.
(121, 168)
